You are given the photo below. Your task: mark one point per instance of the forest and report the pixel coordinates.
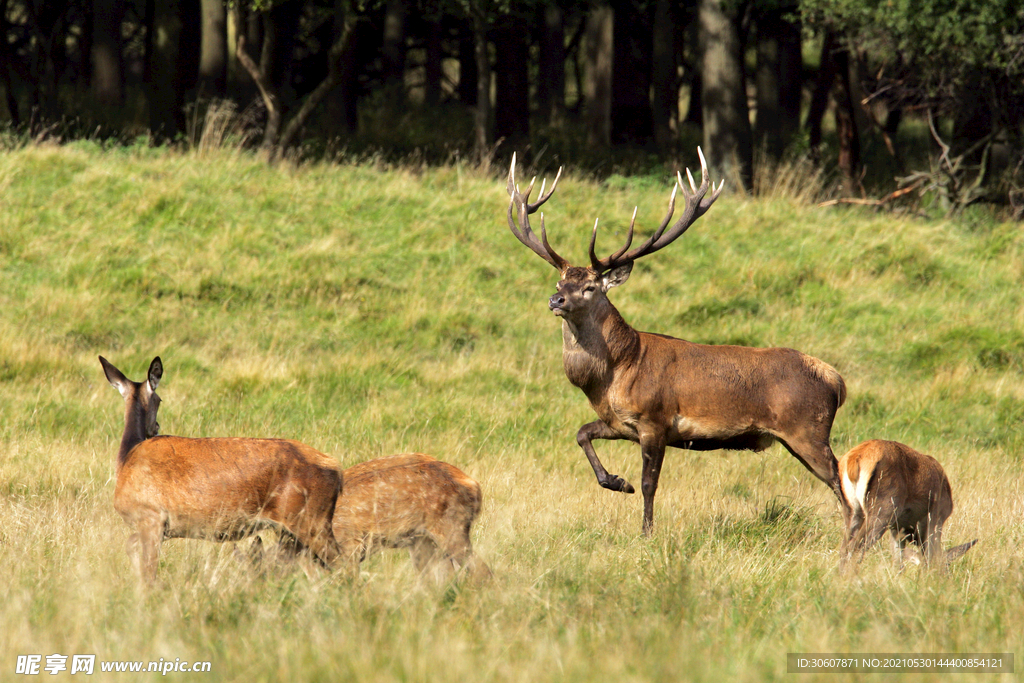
(917, 98)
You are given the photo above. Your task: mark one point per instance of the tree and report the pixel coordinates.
(598, 85)
(727, 136)
(551, 63)
(213, 56)
(663, 74)
(511, 80)
(779, 77)
(107, 74)
(958, 59)
(632, 38)
(165, 72)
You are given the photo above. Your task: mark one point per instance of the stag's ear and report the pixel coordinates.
(616, 276)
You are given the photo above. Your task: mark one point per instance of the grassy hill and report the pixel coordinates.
(368, 310)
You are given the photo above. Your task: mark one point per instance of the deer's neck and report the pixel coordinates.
(134, 431)
(592, 347)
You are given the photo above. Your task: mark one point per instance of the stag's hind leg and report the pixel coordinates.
(600, 430)
(653, 447)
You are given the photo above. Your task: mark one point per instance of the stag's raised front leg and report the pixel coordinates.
(600, 430)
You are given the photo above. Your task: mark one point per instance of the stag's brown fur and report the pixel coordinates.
(887, 486)
(660, 391)
(219, 489)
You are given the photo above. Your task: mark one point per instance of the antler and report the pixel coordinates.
(696, 205)
(522, 203)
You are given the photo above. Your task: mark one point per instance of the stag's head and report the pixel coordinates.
(140, 398)
(581, 289)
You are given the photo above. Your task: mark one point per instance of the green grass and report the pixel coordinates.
(368, 310)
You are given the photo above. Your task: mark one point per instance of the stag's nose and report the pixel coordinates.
(557, 301)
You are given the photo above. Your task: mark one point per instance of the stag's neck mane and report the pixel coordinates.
(592, 347)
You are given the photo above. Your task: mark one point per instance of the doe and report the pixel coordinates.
(889, 486)
(219, 489)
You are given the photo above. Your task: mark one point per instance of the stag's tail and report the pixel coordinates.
(829, 375)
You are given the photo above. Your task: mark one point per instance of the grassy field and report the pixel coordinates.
(368, 310)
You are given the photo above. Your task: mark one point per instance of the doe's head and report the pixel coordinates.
(141, 399)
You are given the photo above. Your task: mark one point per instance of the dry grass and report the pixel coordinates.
(368, 313)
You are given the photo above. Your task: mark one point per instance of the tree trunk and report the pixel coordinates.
(432, 65)
(598, 84)
(791, 84)
(779, 80)
(280, 28)
(822, 90)
(663, 75)
(846, 125)
(342, 101)
(727, 137)
(393, 51)
(107, 72)
(164, 92)
(632, 115)
(6, 67)
(482, 114)
(213, 64)
(695, 107)
(468, 79)
(551, 65)
(511, 82)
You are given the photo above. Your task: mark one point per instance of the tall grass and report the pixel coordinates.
(368, 312)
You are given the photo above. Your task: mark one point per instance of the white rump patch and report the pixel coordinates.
(856, 493)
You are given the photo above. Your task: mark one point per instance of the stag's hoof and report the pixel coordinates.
(617, 483)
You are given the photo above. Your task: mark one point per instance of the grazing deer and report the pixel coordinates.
(409, 501)
(660, 391)
(889, 486)
(215, 489)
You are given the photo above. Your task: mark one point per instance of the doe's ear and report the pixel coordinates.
(156, 371)
(616, 276)
(115, 377)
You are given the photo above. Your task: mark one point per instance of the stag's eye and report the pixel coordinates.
(589, 289)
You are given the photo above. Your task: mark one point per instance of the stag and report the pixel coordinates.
(886, 485)
(659, 391)
(219, 489)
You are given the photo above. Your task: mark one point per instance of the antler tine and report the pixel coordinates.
(697, 203)
(545, 197)
(595, 262)
(629, 236)
(523, 232)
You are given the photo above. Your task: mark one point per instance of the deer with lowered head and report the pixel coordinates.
(887, 486)
(411, 501)
(660, 391)
(218, 489)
